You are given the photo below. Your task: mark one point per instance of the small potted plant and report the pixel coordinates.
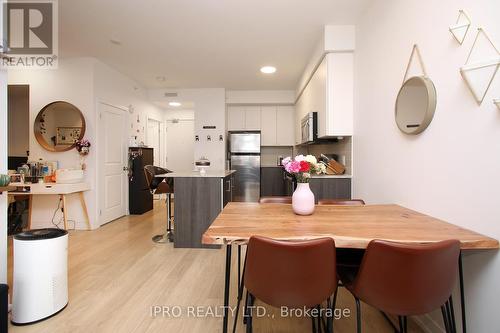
(83, 148)
(302, 167)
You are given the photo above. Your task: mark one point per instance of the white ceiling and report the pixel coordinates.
(202, 43)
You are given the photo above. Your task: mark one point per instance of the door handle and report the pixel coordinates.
(126, 168)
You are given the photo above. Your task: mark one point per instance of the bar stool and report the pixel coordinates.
(292, 274)
(406, 280)
(161, 185)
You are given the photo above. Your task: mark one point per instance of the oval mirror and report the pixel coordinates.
(58, 126)
(415, 105)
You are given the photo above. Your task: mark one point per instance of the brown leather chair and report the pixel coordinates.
(405, 280)
(341, 202)
(291, 274)
(282, 200)
(161, 185)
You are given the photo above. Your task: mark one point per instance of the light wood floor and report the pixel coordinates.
(116, 274)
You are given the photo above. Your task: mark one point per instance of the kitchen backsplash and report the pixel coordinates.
(342, 147)
(269, 155)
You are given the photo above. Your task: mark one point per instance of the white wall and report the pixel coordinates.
(71, 82)
(451, 171)
(209, 110)
(83, 82)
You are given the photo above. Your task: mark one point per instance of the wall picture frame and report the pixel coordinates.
(67, 136)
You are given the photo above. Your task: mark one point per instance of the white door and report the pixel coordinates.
(113, 160)
(153, 140)
(180, 145)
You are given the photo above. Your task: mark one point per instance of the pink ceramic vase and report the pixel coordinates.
(303, 200)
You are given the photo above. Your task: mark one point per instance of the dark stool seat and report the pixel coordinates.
(161, 185)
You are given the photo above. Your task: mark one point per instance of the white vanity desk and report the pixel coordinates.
(55, 189)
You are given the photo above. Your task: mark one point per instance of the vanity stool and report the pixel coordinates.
(159, 185)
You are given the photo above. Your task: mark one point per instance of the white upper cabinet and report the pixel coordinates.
(241, 118)
(276, 123)
(236, 118)
(285, 131)
(340, 96)
(268, 125)
(252, 118)
(330, 94)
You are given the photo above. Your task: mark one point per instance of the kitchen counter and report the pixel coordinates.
(196, 174)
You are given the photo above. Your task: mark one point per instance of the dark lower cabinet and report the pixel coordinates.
(331, 188)
(273, 182)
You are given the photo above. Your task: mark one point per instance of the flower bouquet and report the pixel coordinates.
(302, 167)
(83, 148)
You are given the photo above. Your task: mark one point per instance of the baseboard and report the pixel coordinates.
(428, 324)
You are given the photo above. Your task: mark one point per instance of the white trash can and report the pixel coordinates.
(40, 281)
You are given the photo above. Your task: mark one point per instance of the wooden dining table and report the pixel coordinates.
(350, 226)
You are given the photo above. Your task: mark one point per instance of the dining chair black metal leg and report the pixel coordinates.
(239, 269)
(462, 293)
(445, 319)
(358, 316)
(319, 319)
(452, 315)
(329, 317)
(249, 320)
(245, 309)
(313, 321)
(400, 320)
(226, 289)
(405, 324)
(389, 321)
(240, 293)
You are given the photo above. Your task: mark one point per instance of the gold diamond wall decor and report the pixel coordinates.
(481, 66)
(497, 102)
(461, 27)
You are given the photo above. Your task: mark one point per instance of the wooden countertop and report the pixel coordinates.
(350, 226)
(51, 188)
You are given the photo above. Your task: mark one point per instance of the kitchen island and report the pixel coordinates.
(198, 200)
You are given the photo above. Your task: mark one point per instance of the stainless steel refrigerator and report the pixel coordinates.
(244, 157)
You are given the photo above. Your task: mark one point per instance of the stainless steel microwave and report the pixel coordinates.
(309, 128)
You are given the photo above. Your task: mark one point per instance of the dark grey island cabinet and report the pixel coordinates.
(273, 182)
(198, 200)
(330, 187)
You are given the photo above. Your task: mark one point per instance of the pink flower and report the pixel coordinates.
(293, 167)
(286, 160)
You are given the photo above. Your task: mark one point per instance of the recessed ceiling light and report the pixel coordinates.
(161, 78)
(268, 69)
(174, 104)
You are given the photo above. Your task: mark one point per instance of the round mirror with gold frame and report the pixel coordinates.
(58, 126)
(415, 105)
